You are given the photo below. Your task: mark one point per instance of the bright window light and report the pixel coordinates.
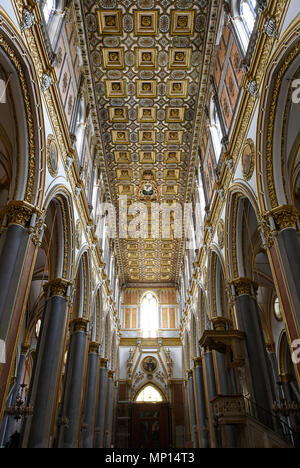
(149, 395)
(249, 14)
(47, 9)
(149, 316)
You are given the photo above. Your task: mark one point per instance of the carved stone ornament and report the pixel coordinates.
(19, 212)
(220, 232)
(252, 89)
(248, 159)
(28, 19)
(80, 324)
(244, 286)
(46, 82)
(57, 287)
(285, 216)
(270, 28)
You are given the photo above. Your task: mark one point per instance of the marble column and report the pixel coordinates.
(89, 412)
(46, 375)
(74, 385)
(192, 409)
(200, 404)
(109, 409)
(280, 232)
(187, 414)
(9, 421)
(211, 392)
(100, 414)
(19, 239)
(248, 316)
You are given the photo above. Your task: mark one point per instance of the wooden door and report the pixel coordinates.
(150, 426)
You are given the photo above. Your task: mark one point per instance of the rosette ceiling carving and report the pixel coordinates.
(150, 63)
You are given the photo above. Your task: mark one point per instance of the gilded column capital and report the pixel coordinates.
(79, 324)
(20, 212)
(25, 348)
(57, 287)
(197, 361)
(110, 374)
(285, 378)
(284, 216)
(244, 286)
(94, 347)
(189, 374)
(103, 363)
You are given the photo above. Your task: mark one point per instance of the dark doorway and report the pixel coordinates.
(150, 425)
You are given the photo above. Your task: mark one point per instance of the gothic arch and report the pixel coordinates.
(218, 303)
(274, 171)
(155, 385)
(82, 296)
(97, 316)
(240, 202)
(59, 233)
(22, 122)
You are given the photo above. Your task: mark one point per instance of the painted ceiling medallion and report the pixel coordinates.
(174, 138)
(147, 137)
(122, 157)
(177, 89)
(146, 23)
(182, 23)
(180, 59)
(52, 156)
(115, 88)
(248, 159)
(148, 191)
(118, 114)
(147, 115)
(120, 137)
(146, 89)
(147, 157)
(110, 22)
(146, 58)
(113, 58)
(172, 157)
(175, 114)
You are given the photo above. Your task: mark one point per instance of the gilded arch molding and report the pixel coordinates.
(235, 193)
(13, 47)
(268, 196)
(63, 198)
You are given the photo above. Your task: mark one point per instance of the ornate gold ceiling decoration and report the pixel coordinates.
(147, 59)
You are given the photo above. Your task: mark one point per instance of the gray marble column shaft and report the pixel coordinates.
(8, 421)
(192, 409)
(109, 411)
(10, 270)
(249, 317)
(211, 392)
(46, 375)
(289, 246)
(100, 415)
(201, 407)
(73, 390)
(89, 412)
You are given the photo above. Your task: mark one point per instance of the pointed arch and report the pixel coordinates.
(273, 168)
(24, 142)
(218, 302)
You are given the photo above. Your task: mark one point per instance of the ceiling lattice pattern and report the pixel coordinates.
(146, 57)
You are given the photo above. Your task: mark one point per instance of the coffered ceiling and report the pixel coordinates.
(148, 60)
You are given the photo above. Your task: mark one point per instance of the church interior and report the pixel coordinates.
(149, 224)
